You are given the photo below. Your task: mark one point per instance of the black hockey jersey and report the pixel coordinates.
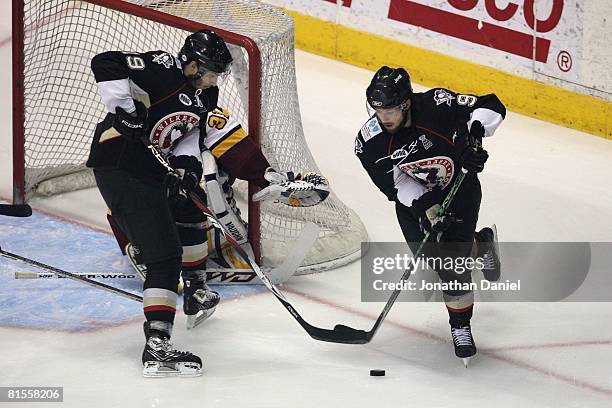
(175, 107)
(406, 164)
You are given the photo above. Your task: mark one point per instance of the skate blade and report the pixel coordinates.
(181, 286)
(466, 361)
(198, 318)
(156, 369)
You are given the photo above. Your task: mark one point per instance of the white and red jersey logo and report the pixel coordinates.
(430, 172)
(172, 127)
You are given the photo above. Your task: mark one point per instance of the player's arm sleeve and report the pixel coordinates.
(380, 174)
(233, 148)
(489, 111)
(112, 75)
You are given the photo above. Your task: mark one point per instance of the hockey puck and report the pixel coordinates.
(377, 373)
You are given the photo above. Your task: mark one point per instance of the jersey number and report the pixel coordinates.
(218, 118)
(134, 62)
(466, 100)
(216, 121)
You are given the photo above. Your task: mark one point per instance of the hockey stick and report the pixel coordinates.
(362, 336)
(90, 275)
(15, 210)
(277, 275)
(298, 251)
(337, 335)
(71, 275)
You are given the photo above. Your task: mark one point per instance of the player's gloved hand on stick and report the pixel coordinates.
(187, 175)
(426, 209)
(302, 190)
(472, 156)
(132, 126)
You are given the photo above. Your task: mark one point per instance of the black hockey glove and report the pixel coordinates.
(132, 126)
(426, 209)
(188, 172)
(472, 156)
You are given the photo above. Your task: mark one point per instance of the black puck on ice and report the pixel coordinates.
(377, 373)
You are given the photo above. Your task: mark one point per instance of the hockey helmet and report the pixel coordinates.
(389, 88)
(208, 49)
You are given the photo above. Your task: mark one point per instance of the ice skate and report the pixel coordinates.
(488, 250)
(465, 348)
(134, 256)
(199, 301)
(160, 359)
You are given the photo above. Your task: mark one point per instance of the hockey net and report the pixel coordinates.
(53, 131)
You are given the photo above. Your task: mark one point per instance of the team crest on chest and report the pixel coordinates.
(442, 96)
(430, 172)
(171, 127)
(164, 59)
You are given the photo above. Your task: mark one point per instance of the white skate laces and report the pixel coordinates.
(462, 336)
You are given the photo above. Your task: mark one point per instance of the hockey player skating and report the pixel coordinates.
(171, 102)
(413, 147)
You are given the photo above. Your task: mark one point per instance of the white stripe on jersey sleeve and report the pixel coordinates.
(490, 120)
(116, 93)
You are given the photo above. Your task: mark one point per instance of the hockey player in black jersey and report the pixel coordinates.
(171, 102)
(413, 147)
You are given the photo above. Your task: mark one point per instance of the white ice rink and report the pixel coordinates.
(542, 183)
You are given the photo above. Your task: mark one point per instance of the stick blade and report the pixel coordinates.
(15, 210)
(340, 334)
(350, 335)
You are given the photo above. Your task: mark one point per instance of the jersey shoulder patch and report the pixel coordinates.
(443, 96)
(163, 58)
(370, 129)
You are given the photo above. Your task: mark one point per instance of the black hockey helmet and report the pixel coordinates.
(389, 88)
(208, 49)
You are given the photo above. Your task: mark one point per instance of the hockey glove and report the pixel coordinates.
(132, 126)
(472, 156)
(303, 190)
(427, 208)
(187, 174)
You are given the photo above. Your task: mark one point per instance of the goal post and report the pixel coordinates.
(56, 108)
